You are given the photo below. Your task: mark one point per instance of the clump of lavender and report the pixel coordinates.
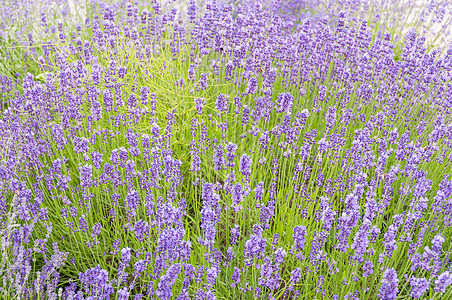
(389, 282)
(224, 151)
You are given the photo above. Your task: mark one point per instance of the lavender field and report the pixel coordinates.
(229, 149)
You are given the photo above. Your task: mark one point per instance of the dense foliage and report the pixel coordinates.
(223, 151)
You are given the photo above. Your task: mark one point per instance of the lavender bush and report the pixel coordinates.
(224, 150)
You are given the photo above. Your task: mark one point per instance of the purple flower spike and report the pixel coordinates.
(230, 154)
(95, 283)
(123, 294)
(202, 83)
(252, 86)
(254, 247)
(167, 281)
(222, 103)
(389, 289)
(418, 287)
(285, 102)
(200, 102)
(443, 281)
(245, 165)
(299, 237)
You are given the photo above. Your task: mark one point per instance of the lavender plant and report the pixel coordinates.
(225, 151)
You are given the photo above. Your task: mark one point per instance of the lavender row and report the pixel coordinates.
(226, 152)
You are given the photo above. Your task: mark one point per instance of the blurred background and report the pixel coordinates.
(429, 18)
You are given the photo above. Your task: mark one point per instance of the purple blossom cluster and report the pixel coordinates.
(226, 151)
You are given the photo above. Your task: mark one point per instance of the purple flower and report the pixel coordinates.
(141, 229)
(320, 283)
(238, 105)
(123, 294)
(132, 138)
(144, 93)
(191, 11)
(235, 234)
(167, 281)
(122, 71)
(442, 282)
(257, 293)
(95, 283)
(275, 240)
(368, 268)
(139, 267)
(390, 242)
(191, 74)
(59, 137)
(212, 274)
(280, 253)
(295, 276)
(85, 176)
(96, 158)
(259, 190)
(236, 277)
(83, 224)
(145, 140)
(264, 139)
(254, 247)
(132, 201)
(218, 159)
(285, 102)
(202, 83)
(389, 289)
(230, 154)
(245, 165)
(200, 102)
(252, 86)
(96, 230)
(196, 158)
(328, 218)
(437, 243)
(222, 103)
(153, 102)
(126, 255)
(361, 241)
(81, 145)
(299, 238)
(237, 194)
(230, 255)
(418, 286)
(267, 212)
(246, 115)
(116, 245)
(123, 156)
